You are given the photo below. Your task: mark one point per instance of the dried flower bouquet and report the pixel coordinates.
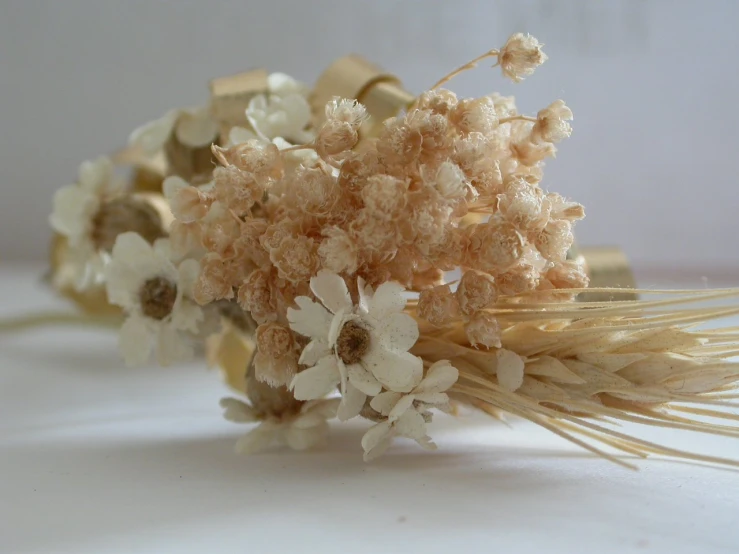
(386, 275)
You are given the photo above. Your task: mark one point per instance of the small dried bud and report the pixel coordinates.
(551, 123)
(260, 158)
(296, 258)
(475, 115)
(494, 246)
(384, 195)
(316, 190)
(476, 291)
(448, 179)
(255, 296)
(338, 251)
(215, 282)
(274, 340)
(438, 305)
(555, 240)
(521, 205)
(335, 137)
(520, 278)
(188, 203)
(346, 111)
(568, 275)
(520, 56)
(483, 328)
(236, 189)
(439, 101)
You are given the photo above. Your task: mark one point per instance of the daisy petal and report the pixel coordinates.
(187, 315)
(364, 380)
(412, 425)
(375, 435)
(239, 135)
(439, 377)
(237, 411)
(326, 408)
(172, 346)
(314, 351)
(331, 289)
(135, 341)
(365, 295)
(387, 300)
(311, 320)
(398, 332)
(305, 438)
(433, 398)
(256, 440)
(510, 369)
(385, 402)
(317, 381)
(95, 174)
(172, 185)
(399, 372)
(379, 449)
(401, 407)
(352, 402)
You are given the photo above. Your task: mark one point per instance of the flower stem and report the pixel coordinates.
(31, 321)
(466, 67)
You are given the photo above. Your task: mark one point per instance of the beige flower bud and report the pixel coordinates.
(476, 291)
(438, 305)
(520, 56)
(483, 328)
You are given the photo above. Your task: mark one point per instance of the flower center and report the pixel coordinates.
(352, 343)
(157, 297)
(121, 215)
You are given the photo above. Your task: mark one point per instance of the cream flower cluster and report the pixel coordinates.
(322, 234)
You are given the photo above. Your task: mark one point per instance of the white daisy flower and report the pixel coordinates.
(90, 215)
(284, 112)
(307, 428)
(364, 348)
(194, 127)
(156, 294)
(407, 414)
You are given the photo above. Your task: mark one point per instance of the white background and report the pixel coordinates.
(653, 85)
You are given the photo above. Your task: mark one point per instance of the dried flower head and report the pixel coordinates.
(520, 56)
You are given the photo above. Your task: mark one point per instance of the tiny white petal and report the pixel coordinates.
(412, 425)
(398, 332)
(401, 407)
(331, 289)
(172, 346)
(256, 440)
(172, 185)
(439, 377)
(363, 380)
(314, 351)
(399, 372)
(135, 340)
(387, 300)
(311, 320)
(304, 438)
(352, 402)
(237, 411)
(317, 381)
(385, 402)
(375, 435)
(510, 369)
(436, 399)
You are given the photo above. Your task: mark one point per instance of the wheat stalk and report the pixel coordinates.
(588, 366)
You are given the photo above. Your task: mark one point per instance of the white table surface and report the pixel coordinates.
(97, 458)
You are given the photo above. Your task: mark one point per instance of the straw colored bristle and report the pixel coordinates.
(589, 366)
